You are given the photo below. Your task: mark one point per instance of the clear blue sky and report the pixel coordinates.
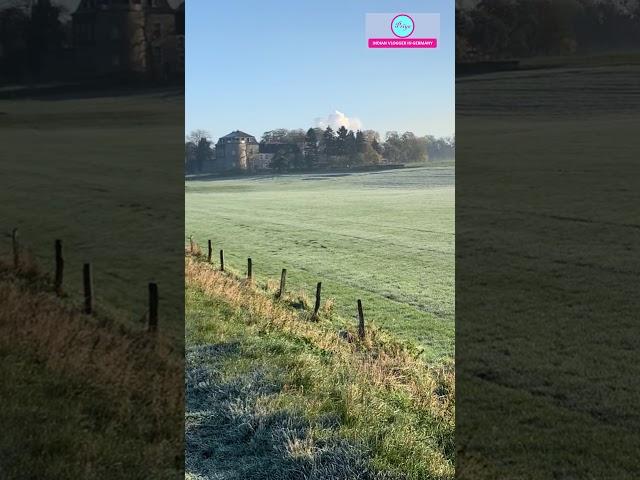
(257, 65)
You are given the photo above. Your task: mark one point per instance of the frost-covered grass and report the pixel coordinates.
(385, 237)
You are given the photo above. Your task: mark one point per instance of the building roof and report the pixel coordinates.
(240, 134)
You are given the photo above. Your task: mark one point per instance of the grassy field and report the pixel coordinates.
(271, 395)
(385, 237)
(546, 310)
(83, 397)
(101, 173)
(92, 397)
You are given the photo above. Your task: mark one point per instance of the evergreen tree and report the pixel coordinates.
(280, 161)
(203, 153)
(311, 148)
(361, 142)
(328, 142)
(350, 148)
(190, 149)
(341, 141)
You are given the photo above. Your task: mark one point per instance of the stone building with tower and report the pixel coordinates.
(129, 38)
(236, 151)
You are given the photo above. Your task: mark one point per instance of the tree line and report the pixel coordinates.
(30, 34)
(37, 44)
(322, 149)
(316, 148)
(499, 29)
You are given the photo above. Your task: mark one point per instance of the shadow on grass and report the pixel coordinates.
(232, 433)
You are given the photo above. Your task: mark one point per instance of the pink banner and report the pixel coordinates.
(403, 43)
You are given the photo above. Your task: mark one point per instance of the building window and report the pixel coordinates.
(115, 32)
(157, 30)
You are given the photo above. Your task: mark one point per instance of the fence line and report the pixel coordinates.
(87, 280)
(59, 268)
(282, 288)
(16, 248)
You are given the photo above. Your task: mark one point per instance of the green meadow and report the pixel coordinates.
(99, 172)
(544, 322)
(384, 237)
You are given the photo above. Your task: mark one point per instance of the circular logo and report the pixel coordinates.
(402, 25)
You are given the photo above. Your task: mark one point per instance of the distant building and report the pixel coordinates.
(129, 37)
(236, 151)
(262, 161)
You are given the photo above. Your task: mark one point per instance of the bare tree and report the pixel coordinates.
(196, 135)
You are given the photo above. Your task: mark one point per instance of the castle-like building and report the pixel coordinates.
(236, 151)
(129, 38)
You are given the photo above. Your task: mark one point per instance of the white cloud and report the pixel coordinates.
(338, 119)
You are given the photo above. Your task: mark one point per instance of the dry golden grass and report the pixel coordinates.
(142, 372)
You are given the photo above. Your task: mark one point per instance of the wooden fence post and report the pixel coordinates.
(59, 268)
(87, 276)
(153, 307)
(249, 269)
(16, 248)
(222, 260)
(283, 281)
(209, 252)
(361, 332)
(316, 308)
